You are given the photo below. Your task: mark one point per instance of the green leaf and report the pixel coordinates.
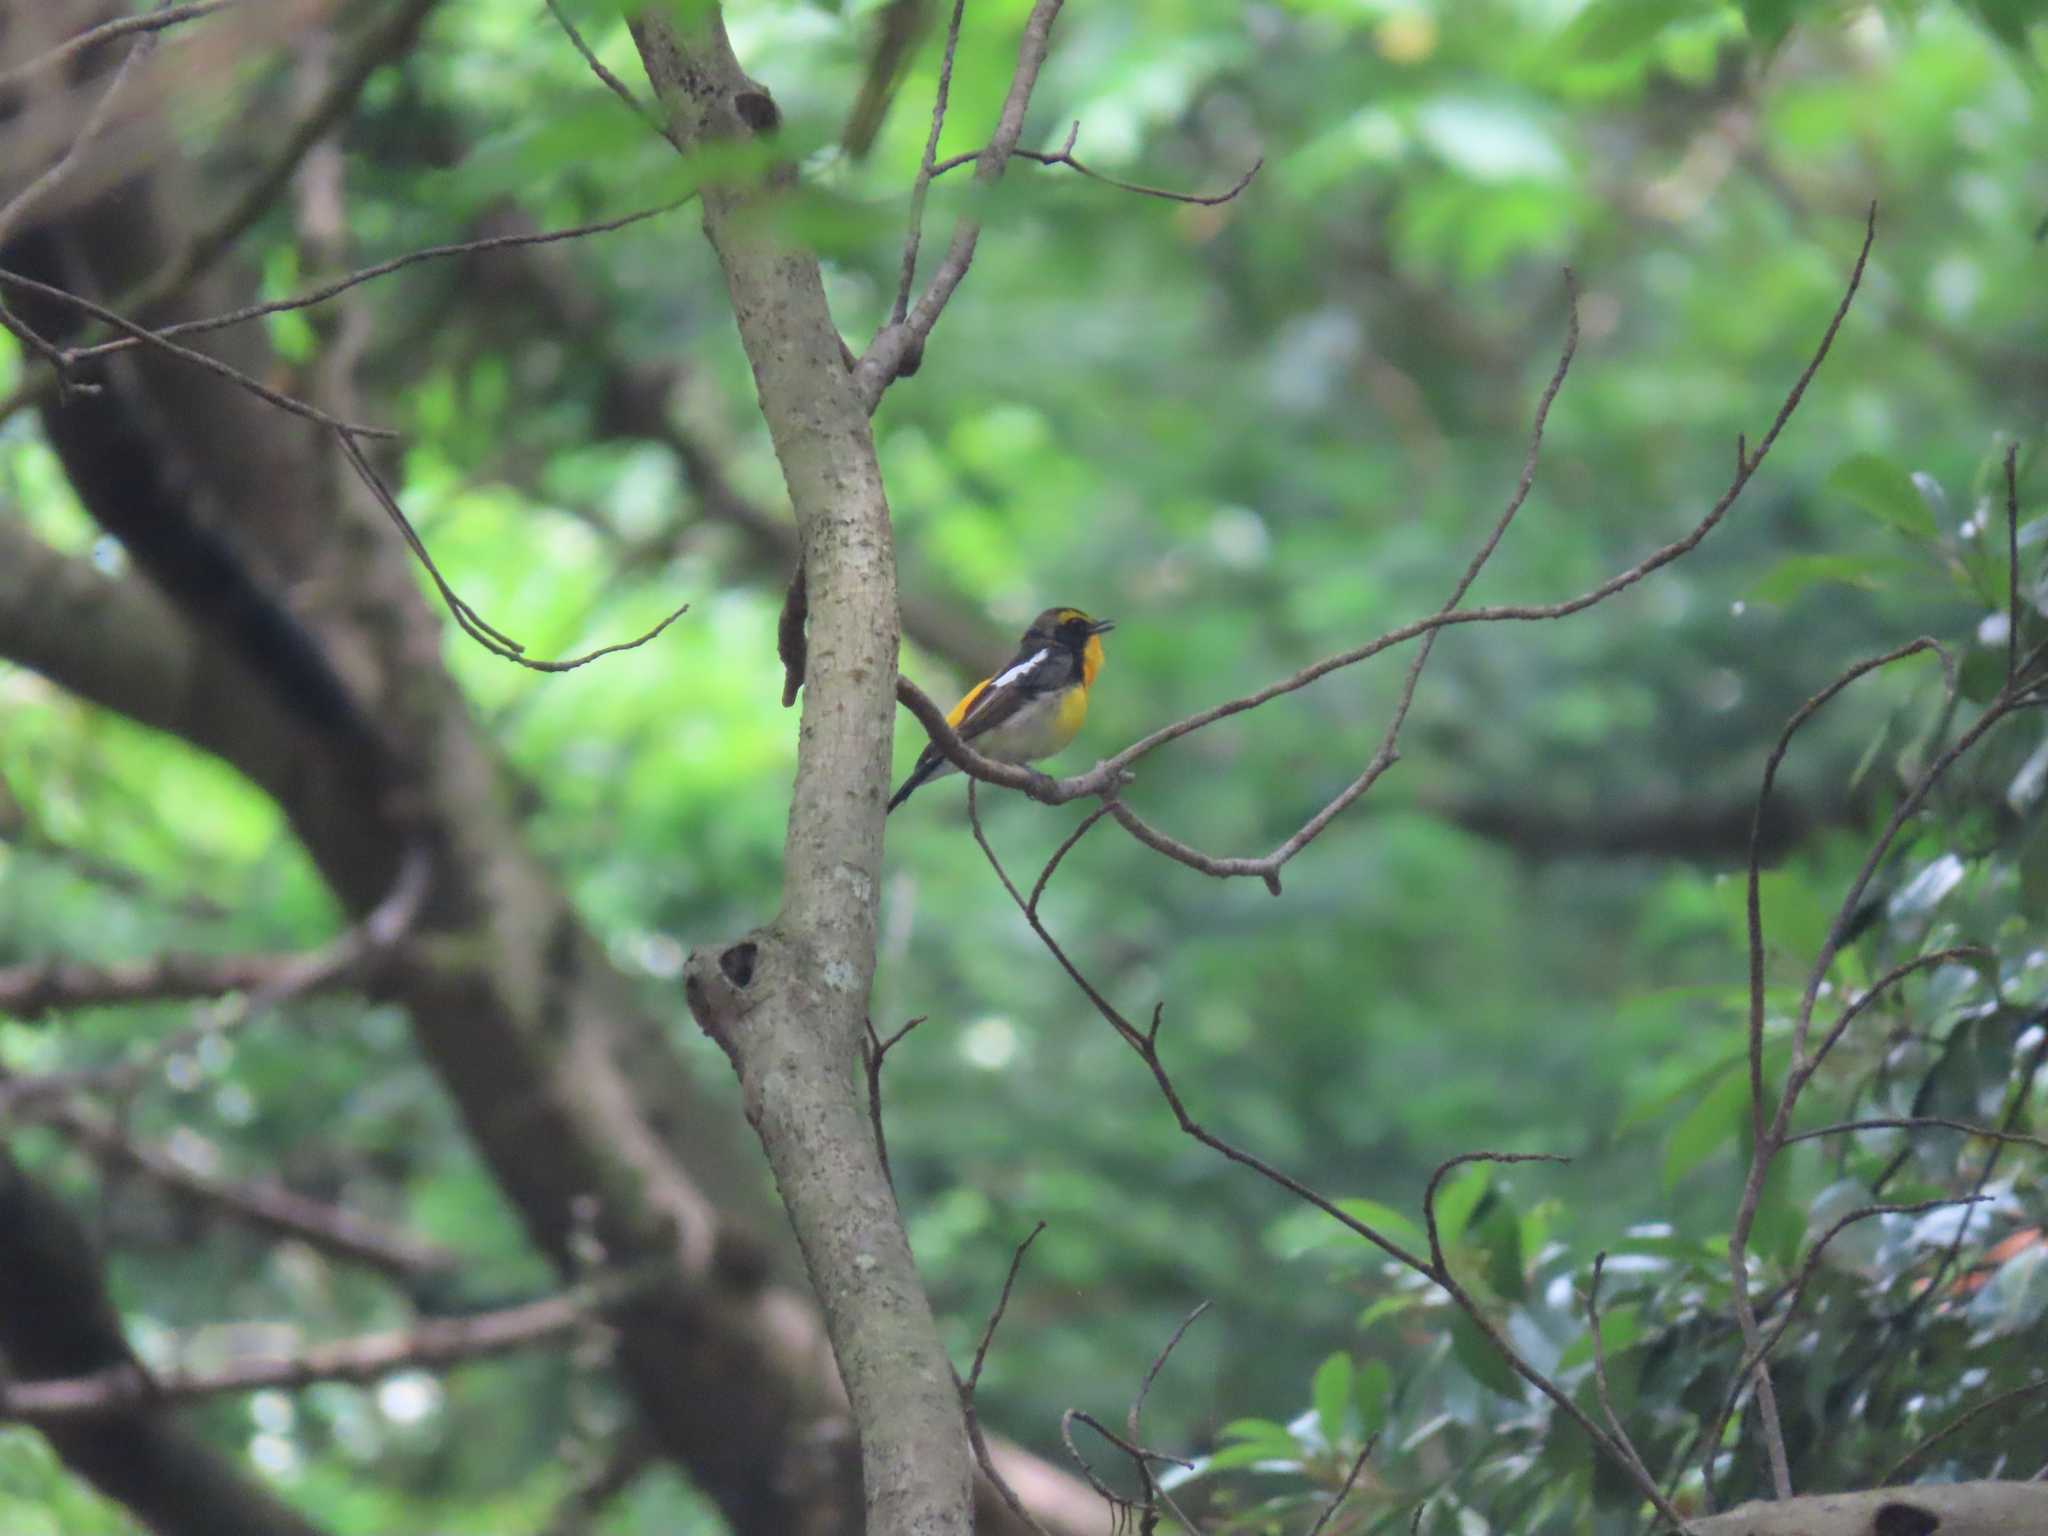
(1276, 1458)
(1386, 1221)
(1661, 1093)
(1780, 1221)
(2017, 1297)
(1714, 1125)
(1796, 575)
(1373, 1391)
(1388, 1306)
(1886, 492)
(1496, 1231)
(2034, 870)
(1482, 1360)
(1330, 1392)
(1610, 30)
(1255, 1429)
(1620, 1327)
(1768, 20)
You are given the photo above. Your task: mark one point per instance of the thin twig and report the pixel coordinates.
(1922, 1123)
(264, 1204)
(430, 1343)
(467, 619)
(1444, 1168)
(995, 1317)
(872, 1050)
(968, 1407)
(1621, 1435)
(1065, 157)
(611, 82)
(1754, 898)
(1145, 1043)
(149, 337)
(340, 285)
(107, 31)
(897, 347)
(55, 174)
(925, 171)
(381, 929)
(1963, 1421)
(1350, 1481)
(1134, 1419)
(1066, 847)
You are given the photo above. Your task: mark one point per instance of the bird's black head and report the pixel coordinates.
(1068, 627)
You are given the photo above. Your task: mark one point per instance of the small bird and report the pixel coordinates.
(1034, 706)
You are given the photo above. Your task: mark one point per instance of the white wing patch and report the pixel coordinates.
(1022, 670)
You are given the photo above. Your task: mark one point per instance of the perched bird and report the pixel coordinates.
(1033, 707)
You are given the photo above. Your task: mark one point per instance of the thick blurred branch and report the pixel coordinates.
(264, 1204)
(430, 1344)
(30, 992)
(57, 1321)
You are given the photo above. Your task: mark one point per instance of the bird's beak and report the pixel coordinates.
(1102, 626)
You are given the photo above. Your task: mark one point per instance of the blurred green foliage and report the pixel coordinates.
(1255, 434)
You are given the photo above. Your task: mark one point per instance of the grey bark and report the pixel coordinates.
(1950, 1509)
(789, 1002)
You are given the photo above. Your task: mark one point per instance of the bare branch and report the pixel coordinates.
(264, 1204)
(1065, 156)
(30, 992)
(872, 1051)
(340, 285)
(1444, 1168)
(1621, 1435)
(381, 929)
(925, 170)
(898, 347)
(1922, 1123)
(1145, 1043)
(1133, 1421)
(54, 175)
(995, 1317)
(611, 82)
(1066, 847)
(123, 26)
(427, 1345)
(1350, 1481)
(467, 619)
(213, 365)
(1961, 1422)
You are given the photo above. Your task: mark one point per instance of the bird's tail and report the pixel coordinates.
(927, 767)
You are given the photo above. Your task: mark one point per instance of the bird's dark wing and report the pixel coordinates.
(1026, 678)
